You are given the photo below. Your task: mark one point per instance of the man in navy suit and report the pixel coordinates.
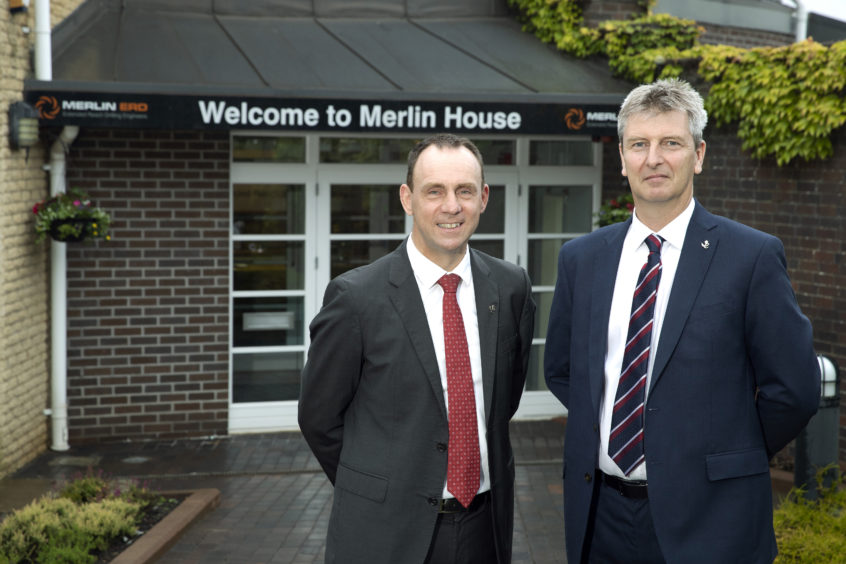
(728, 370)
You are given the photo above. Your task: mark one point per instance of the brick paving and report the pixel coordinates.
(275, 500)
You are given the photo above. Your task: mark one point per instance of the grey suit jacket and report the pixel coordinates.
(373, 412)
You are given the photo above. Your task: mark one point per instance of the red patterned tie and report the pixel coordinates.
(463, 454)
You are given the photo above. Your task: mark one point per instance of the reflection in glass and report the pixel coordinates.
(534, 379)
(367, 209)
(543, 261)
(268, 265)
(347, 255)
(268, 209)
(268, 149)
(259, 322)
(365, 150)
(496, 151)
(493, 219)
(561, 153)
(266, 376)
(560, 209)
(543, 301)
(493, 248)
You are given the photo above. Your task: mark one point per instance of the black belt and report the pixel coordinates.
(452, 505)
(634, 489)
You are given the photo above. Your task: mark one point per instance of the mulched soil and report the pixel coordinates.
(148, 520)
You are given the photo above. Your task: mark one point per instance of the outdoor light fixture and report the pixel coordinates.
(828, 378)
(16, 6)
(23, 125)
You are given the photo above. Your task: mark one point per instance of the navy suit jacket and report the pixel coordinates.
(735, 379)
(373, 412)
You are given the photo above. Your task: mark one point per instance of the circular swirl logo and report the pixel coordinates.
(575, 118)
(48, 107)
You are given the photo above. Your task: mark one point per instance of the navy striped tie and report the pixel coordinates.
(625, 444)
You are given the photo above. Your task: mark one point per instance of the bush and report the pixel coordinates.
(813, 530)
(84, 516)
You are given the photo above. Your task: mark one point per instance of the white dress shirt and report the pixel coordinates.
(632, 259)
(427, 275)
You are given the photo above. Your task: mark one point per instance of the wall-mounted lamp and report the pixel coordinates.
(16, 6)
(23, 125)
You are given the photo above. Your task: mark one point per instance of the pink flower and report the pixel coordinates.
(77, 203)
(630, 207)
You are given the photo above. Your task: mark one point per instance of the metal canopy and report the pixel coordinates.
(390, 49)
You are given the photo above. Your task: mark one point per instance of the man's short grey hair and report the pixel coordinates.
(661, 96)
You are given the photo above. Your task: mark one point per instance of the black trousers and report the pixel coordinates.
(620, 530)
(465, 537)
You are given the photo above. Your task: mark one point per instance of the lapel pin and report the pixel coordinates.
(706, 243)
(492, 307)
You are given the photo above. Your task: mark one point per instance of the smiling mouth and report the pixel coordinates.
(449, 225)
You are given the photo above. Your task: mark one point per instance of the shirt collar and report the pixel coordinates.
(672, 233)
(428, 273)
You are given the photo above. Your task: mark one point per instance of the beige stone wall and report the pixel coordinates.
(24, 266)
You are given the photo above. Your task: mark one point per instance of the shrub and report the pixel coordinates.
(813, 530)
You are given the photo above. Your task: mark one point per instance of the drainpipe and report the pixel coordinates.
(58, 251)
(58, 301)
(801, 21)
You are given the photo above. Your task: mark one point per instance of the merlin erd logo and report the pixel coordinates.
(48, 107)
(575, 119)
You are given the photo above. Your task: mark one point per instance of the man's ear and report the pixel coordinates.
(405, 198)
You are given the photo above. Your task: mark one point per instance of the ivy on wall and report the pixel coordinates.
(786, 101)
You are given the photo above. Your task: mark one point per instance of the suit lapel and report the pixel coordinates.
(700, 244)
(405, 295)
(605, 264)
(487, 315)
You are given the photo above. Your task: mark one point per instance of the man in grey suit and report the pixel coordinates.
(378, 405)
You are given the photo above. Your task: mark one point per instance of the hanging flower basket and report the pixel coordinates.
(615, 210)
(70, 218)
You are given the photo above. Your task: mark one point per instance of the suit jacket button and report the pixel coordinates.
(595, 428)
(588, 477)
(442, 447)
(433, 501)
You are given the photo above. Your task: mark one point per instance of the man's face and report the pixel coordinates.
(446, 202)
(660, 159)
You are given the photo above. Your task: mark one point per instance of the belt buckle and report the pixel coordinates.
(450, 505)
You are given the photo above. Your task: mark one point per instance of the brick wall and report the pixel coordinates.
(597, 11)
(24, 290)
(742, 37)
(148, 317)
(804, 204)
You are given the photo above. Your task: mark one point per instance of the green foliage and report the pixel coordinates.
(84, 515)
(785, 101)
(53, 215)
(813, 530)
(615, 210)
(59, 530)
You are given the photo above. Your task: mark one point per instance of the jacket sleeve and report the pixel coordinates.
(526, 331)
(781, 348)
(330, 376)
(557, 351)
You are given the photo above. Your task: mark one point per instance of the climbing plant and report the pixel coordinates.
(786, 101)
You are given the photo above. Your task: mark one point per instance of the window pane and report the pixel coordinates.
(367, 209)
(261, 322)
(543, 301)
(543, 261)
(364, 150)
(268, 265)
(347, 255)
(268, 208)
(493, 248)
(268, 149)
(534, 378)
(560, 209)
(561, 153)
(496, 151)
(493, 220)
(266, 376)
